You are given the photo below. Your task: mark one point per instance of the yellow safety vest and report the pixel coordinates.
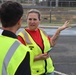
(12, 53)
(41, 66)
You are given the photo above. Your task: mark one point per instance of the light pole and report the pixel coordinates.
(33, 2)
(57, 3)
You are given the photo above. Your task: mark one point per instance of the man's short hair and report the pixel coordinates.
(10, 13)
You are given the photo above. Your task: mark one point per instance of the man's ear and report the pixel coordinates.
(20, 21)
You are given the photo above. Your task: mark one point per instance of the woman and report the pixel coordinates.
(40, 43)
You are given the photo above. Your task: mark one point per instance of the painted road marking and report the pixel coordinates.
(60, 73)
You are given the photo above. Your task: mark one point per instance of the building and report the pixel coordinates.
(48, 3)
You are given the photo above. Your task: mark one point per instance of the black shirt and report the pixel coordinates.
(24, 67)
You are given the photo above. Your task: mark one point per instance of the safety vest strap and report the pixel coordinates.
(44, 32)
(26, 36)
(9, 56)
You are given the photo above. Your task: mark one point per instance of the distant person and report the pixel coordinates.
(39, 43)
(15, 58)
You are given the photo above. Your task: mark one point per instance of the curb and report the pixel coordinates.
(41, 26)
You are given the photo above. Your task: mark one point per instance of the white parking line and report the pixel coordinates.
(60, 73)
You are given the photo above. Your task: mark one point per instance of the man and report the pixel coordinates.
(15, 58)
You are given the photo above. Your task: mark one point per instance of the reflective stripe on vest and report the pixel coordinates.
(26, 36)
(9, 56)
(44, 32)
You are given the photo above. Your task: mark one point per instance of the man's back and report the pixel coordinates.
(14, 57)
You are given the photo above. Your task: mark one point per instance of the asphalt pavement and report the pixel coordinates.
(64, 55)
(64, 52)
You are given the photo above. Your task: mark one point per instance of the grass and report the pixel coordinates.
(44, 23)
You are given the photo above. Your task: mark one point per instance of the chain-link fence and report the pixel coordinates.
(54, 15)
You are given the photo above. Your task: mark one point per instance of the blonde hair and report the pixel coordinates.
(34, 11)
